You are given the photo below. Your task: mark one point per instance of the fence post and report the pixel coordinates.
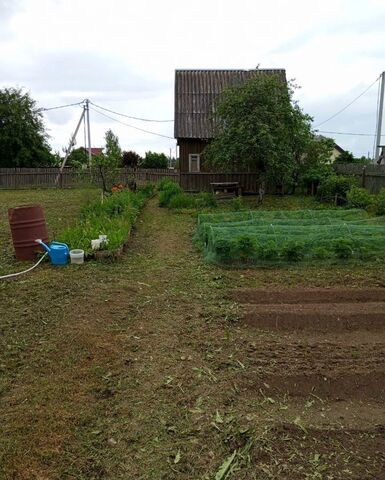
(363, 178)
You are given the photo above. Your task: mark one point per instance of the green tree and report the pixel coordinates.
(348, 157)
(107, 163)
(258, 126)
(77, 158)
(131, 159)
(154, 160)
(23, 140)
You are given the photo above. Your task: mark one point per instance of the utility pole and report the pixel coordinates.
(87, 109)
(379, 124)
(70, 146)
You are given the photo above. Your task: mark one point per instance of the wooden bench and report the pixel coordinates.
(225, 189)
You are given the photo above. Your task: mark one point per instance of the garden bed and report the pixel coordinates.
(113, 216)
(279, 236)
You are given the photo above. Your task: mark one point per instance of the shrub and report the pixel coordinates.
(164, 184)
(335, 185)
(168, 191)
(379, 202)
(293, 251)
(343, 248)
(131, 159)
(359, 197)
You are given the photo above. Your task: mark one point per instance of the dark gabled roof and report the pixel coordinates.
(195, 91)
(95, 150)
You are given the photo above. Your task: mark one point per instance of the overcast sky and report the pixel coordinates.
(122, 55)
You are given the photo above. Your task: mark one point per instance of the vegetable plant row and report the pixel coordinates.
(113, 216)
(258, 237)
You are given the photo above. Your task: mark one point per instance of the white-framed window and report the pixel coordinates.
(194, 162)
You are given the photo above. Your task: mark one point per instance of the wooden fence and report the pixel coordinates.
(371, 177)
(18, 178)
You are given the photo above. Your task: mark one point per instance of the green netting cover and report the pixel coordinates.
(276, 236)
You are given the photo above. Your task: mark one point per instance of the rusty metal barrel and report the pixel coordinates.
(27, 223)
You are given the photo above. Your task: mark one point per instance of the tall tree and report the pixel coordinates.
(258, 126)
(131, 159)
(154, 160)
(23, 140)
(108, 162)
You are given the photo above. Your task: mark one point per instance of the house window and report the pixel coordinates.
(194, 162)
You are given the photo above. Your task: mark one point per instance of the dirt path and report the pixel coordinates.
(143, 371)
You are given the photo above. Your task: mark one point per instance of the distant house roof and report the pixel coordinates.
(336, 146)
(195, 92)
(95, 150)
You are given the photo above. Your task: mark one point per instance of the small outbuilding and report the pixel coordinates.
(195, 95)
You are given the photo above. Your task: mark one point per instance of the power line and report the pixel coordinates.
(131, 126)
(60, 106)
(128, 116)
(349, 133)
(348, 105)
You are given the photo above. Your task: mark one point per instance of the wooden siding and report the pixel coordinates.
(187, 146)
(195, 95)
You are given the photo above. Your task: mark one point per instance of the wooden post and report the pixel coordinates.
(363, 178)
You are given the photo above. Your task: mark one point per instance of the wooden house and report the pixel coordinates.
(195, 94)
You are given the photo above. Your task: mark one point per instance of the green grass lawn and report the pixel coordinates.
(61, 209)
(139, 368)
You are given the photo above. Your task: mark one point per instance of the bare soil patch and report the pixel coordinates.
(307, 295)
(321, 317)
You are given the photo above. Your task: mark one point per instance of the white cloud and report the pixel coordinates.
(122, 54)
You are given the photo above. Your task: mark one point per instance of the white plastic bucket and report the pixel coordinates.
(77, 256)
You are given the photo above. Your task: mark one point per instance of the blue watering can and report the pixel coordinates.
(58, 252)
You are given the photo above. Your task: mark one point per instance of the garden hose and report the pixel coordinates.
(11, 275)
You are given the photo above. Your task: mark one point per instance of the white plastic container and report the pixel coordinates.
(77, 256)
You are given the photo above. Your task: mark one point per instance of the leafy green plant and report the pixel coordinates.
(181, 200)
(267, 251)
(168, 191)
(148, 189)
(205, 200)
(246, 246)
(113, 216)
(359, 197)
(224, 249)
(379, 202)
(321, 253)
(335, 185)
(164, 184)
(293, 251)
(343, 248)
(236, 204)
